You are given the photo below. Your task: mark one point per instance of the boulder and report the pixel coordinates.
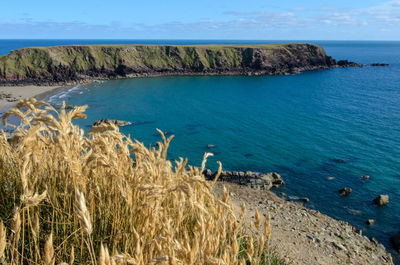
(370, 222)
(395, 241)
(208, 173)
(381, 200)
(274, 178)
(248, 174)
(345, 191)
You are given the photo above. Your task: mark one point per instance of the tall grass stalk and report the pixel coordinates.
(107, 199)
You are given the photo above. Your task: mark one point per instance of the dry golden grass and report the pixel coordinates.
(67, 198)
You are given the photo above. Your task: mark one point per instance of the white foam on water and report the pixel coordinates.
(56, 98)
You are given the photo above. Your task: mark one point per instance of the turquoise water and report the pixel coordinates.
(341, 123)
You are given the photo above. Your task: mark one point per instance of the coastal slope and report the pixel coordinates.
(63, 64)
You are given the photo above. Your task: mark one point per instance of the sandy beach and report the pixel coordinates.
(10, 95)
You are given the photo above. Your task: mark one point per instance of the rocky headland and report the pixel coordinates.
(82, 63)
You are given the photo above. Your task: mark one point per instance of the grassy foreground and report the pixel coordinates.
(67, 198)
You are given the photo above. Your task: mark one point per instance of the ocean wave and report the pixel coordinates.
(56, 98)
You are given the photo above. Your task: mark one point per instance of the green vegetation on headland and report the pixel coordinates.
(60, 64)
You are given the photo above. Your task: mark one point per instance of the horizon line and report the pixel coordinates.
(151, 39)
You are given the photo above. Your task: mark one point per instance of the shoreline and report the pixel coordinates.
(301, 235)
(12, 94)
(85, 79)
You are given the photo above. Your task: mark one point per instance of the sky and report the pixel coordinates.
(205, 19)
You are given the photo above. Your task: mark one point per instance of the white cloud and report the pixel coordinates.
(296, 20)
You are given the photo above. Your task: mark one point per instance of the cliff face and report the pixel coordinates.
(76, 63)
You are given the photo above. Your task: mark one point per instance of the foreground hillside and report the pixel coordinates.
(67, 197)
(79, 63)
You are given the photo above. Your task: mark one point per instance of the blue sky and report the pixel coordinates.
(205, 19)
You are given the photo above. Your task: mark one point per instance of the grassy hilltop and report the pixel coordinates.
(82, 62)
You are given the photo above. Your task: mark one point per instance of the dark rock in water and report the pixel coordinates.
(379, 64)
(370, 222)
(343, 160)
(346, 63)
(381, 200)
(248, 155)
(209, 146)
(296, 198)
(395, 240)
(69, 107)
(345, 191)
(115, 122)
(305, 199)
(208, 173)
(338, 160)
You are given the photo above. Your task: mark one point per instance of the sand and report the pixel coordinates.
(15, 93)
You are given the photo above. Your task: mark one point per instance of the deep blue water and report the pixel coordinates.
(341, 123)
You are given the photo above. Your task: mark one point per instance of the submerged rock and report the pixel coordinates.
(395, 240)
(345, 191)
(305, 199)
(381, 200)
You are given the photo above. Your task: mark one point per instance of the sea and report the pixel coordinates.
(321, 130)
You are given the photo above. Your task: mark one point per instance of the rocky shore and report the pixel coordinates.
(82, 63)
(255, 180)
(340, 242)
(304, 236)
